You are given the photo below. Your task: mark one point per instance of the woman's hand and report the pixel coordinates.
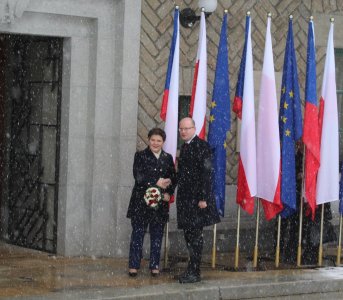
(166, 197)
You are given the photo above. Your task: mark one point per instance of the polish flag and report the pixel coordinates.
(328, 173)
(246, 182)
(170, 103)
(268, 139)
(199, 89)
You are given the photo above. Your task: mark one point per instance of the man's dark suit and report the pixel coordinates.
(195, 177)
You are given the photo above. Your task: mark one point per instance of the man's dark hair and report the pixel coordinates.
(157, 131)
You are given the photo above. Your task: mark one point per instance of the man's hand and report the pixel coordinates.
(202, 204)
(163, 183)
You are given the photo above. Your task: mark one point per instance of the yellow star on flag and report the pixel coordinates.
(225, 145)
(291, 94)
(212, 118)
(285, 105)
(288, 132)
(284, 119)
(283, 90)
(213, 104)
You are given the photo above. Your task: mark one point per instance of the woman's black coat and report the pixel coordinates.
(147, 169)
(195, 175)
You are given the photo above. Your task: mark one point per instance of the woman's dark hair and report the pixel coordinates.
(157, 131)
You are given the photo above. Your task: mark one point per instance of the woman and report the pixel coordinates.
(152, 167)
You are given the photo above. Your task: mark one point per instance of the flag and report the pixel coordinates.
(341, 192)
(246, 179)
(199, 89)
(238, 100)
(328, 173)
(220, 118)
(268, 139)
(290, 126)
(311, 126)
(170, 103)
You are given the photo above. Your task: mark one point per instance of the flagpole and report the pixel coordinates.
(300, 232)
(301, 209)
(277, 255)
(214, 246)
(256, 238)
(166, 246)
(339, 248)
(237, 240)
(320, 252)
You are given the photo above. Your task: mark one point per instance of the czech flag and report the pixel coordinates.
(238, 100)
(246, 179)
(170, 103)
(311, 125)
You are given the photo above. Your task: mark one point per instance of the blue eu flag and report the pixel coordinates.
(290, 125)
(220, 119)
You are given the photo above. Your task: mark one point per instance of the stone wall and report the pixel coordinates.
(156, 32)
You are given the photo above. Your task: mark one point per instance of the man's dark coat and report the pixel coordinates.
(147, 169)
(195, 175)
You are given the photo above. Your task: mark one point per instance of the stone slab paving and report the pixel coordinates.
(28, 275)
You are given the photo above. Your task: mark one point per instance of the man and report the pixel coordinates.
(195, 200)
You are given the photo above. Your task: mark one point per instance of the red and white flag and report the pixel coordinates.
(170, 103)
(328, 174)
(246, 181)
(199, 89)
(268, 139)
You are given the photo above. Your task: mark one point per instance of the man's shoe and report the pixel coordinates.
(189, 278)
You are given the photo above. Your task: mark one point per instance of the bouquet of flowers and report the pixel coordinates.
(153, 197)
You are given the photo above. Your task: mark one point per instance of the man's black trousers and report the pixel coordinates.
(194, 241)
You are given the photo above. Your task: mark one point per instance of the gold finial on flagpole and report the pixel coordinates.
(311, 18)
(248, 13)
(291, 17)
(226, 11)
(269, 15)
(332, 19)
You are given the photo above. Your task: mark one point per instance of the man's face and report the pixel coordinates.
(186, 129)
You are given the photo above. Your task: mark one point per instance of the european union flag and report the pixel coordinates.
(290, 126)
(220, 119)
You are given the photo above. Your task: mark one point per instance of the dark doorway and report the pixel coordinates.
(30, 106)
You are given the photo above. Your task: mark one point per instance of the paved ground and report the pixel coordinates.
(27, 274)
